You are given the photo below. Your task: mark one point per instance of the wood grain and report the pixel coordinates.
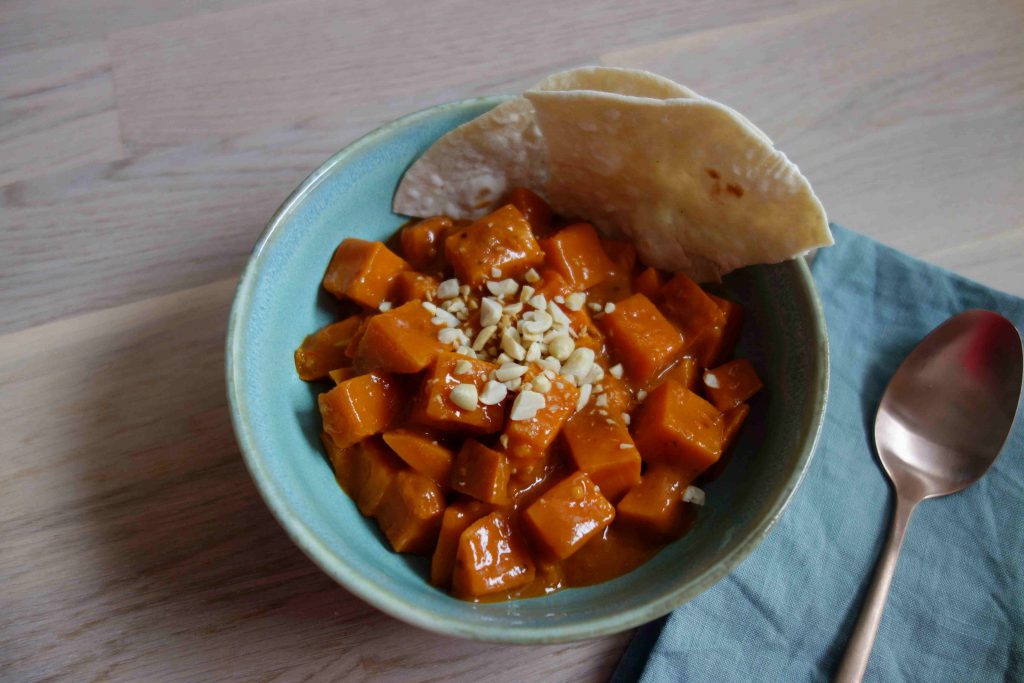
(144, 144)
(59, 113)
(282, 61)
(134, 546)
(35, 24)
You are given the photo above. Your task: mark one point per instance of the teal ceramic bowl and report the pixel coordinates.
(279, 301)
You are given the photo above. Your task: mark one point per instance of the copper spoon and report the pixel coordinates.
(943, 420)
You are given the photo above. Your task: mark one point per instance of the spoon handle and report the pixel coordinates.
(858, 651)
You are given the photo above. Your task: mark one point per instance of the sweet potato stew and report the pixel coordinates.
(521, 400)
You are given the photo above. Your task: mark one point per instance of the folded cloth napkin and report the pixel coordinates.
(956, 608)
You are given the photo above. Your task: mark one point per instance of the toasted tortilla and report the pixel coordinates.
(467, 172)
(694, 184)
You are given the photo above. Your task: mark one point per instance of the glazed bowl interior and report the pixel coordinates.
(279, 301)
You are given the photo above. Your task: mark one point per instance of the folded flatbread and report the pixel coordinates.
(694, 184)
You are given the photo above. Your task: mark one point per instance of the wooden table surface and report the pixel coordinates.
(144, 145)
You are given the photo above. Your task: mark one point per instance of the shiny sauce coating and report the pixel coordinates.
(522, 401)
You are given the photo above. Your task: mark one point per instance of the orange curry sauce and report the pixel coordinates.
(521, 400)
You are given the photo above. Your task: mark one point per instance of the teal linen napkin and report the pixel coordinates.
(956, 610)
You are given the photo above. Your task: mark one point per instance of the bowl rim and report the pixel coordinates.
(406, 610)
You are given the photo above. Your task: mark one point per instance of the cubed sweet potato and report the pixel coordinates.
(716, 343)
(402, 340)
(619, 283)
(692, 310)
(353, 346)
(568, 515)
(375, 468)
(412, 286)
(534, 209)
(360, 407)
(501, 240)
(363, 271)
(618, 398)
(339, 375)
(481, 472)
(648, 283)
(641, 338)
(552, 284)
(433, 406)
(686, 372)
(530, 439)
(730, 330)
(410, 513)
(576, 253)
(422, 451)
(655, 506)
(324, 350)
(678, 427)
(422, 242)
(491, 558)
(588, 334)
(603, 448)
(732, 420)
(528, 473)
(457, 518)
(611, 554)
(344, 462)
(731, 384)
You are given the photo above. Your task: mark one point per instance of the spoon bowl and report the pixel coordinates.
(942, 421)
(948, 409)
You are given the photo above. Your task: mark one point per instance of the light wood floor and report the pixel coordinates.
(143, 146)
